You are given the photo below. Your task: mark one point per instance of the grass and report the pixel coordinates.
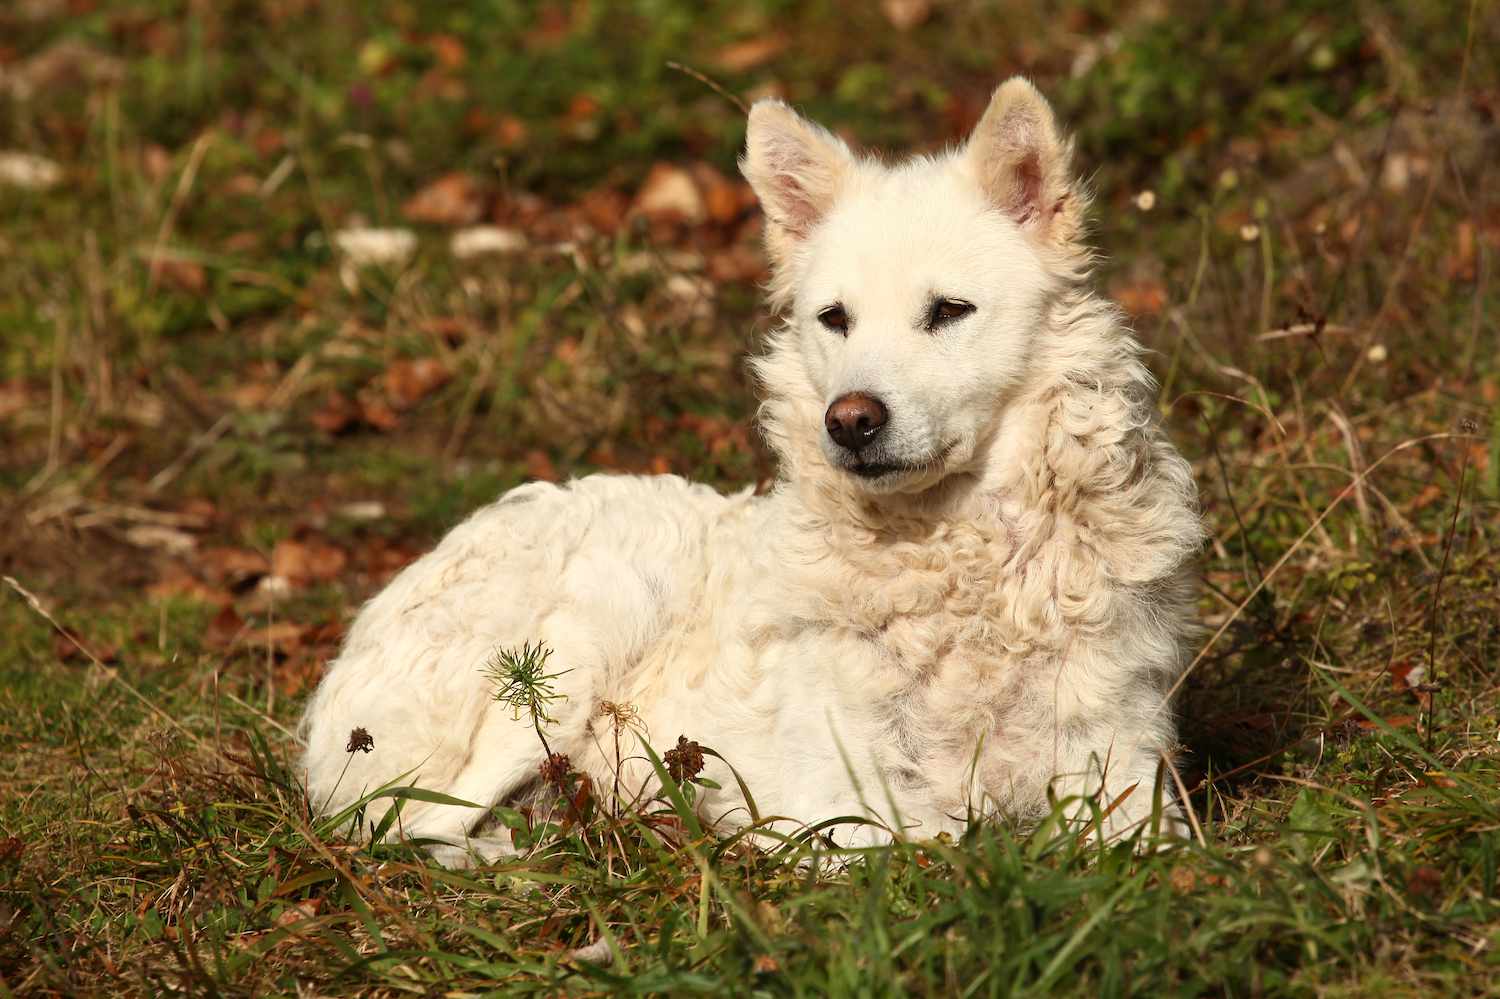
(216, 439)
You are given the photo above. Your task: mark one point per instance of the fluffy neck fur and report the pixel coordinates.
(1075, 508)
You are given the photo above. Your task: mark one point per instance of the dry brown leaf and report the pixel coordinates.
(176, 581)
(226, 626)
(376, 412)
(409, 382)
(183, 275)
(307, 561)
(15, 396)
(510, 131)
(336, 414)
(449, 50)
(540, 466)
(1424, 882)
(1141, 298)
(749, 54)
(1464, 260)
(235, 566)
(284, 637)
(299, 911)
(452, 199)
(668, 193)
(906, 14)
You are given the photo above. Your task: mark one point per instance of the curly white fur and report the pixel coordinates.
(995, 621)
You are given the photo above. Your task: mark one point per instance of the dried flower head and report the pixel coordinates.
(620, 715)
(360, 741)
(556, 769)
(685, 762)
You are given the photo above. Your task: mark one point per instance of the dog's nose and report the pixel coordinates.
(854, 420)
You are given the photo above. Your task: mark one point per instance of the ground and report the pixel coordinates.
(222, 427)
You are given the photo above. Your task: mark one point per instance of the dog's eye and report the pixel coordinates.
(947, 310)
(835, 319)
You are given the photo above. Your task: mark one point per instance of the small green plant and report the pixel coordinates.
(521, 681)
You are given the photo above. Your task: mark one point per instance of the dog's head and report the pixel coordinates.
(912, 292)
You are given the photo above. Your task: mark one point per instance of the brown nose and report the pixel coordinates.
(854, 420)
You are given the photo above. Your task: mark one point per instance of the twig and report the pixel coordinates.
(1437, 599)
(185, 183)
(36, 604)
(1356, 462)
(710, 84)
(1187, 806)
(200, 443)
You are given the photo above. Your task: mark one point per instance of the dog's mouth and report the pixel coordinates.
(875, 470)
(880, 469)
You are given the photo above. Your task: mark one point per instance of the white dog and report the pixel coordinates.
(967, 593)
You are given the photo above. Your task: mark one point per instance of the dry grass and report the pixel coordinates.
(218, 435)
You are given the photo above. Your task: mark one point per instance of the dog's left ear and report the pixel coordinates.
(1021, 163)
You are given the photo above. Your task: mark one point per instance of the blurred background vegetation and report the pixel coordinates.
(288, 287)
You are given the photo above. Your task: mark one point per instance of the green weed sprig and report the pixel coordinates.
(521, 681)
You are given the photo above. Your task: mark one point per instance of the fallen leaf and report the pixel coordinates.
(1394, 721)
(307, 561)
(284, 637)
(669, 193)
(226, 626)
(382, 559)
(540, 466)
(765, 964)
(480, 240)
(408, 382)
(183, 275)
(366, 247)
(295, 913)
(724, 199)
(906, 14)
(168, 539)
(378, 413)
(68, 64)
(29, 172)
(749, 54)
(1424, 881)
(449, 50)
(336, 414)
(510, 131)
(235, 566)
(16, 396)
(452, 199)
(176, 581)
(604, 208)
(1463, 261)
(1141, 298)
(1429, 494)
(156, 162)
(1406, 674)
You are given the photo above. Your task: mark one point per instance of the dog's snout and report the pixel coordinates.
(854, 420)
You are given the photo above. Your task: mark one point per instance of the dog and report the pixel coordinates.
(967, 594)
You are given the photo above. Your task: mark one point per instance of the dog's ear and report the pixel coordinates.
(796, 169)
(1021, 162)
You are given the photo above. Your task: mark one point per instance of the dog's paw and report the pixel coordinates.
(476, 851)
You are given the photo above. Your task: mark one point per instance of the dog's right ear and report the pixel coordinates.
(796, 170)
